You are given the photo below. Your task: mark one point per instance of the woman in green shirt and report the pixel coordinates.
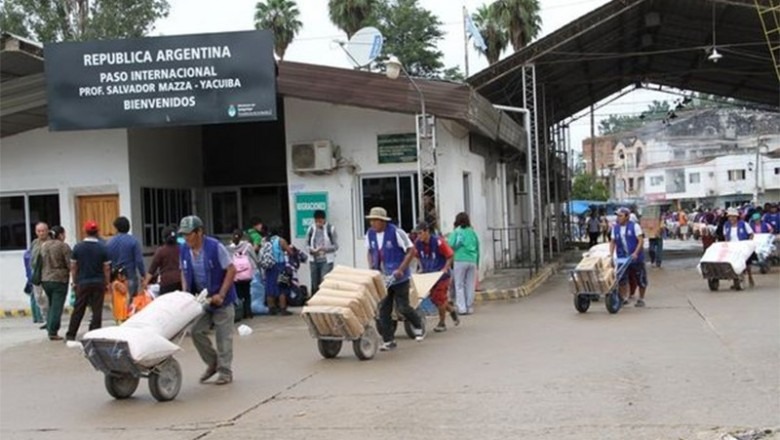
(464, 241)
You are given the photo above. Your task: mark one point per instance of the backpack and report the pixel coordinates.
(267, 259)
(243, 266)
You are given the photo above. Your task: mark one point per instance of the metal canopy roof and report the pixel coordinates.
(22, 87)
(633, 42)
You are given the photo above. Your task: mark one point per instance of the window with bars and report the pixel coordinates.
(163, 207)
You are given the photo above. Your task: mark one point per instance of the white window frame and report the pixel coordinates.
(26, 195)
(737, 175)
(414, 203)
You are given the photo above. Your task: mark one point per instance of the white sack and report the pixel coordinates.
(600, 250)
(735, 253)
(167, 315)
(765, 245)
(146, 348)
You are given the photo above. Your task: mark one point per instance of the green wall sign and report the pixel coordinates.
(305, 205)
(397, 148)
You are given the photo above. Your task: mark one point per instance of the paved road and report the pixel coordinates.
(692, 365)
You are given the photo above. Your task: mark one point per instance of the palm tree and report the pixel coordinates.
(281, 18)
(522, 19)
(487, 19)
(351, 15)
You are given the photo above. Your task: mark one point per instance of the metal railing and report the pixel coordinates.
(515, 248)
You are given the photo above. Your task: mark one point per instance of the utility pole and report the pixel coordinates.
(592, 142)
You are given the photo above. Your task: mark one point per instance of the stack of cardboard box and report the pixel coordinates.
(594, 274)
(345, 304)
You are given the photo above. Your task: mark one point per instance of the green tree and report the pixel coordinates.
(522, 19)
(587, 187)
(453, 74)
(411, 34)
(656, 111)
(68, 20)
(281, 18)
(351, 15)
(488, 20)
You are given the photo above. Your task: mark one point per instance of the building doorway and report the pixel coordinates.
(103, 209)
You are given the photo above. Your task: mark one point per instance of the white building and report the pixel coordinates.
(230, 173)
(718, 182)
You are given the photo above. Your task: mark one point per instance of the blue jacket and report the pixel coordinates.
(763, 227)
(215, 274)
(773, 220)
(124, 250)
(632, 241)
(433, 260)
(743, 230)
(391, 254)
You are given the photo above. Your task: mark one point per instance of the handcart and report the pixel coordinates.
(122, 373)
(419, 289)
(329, 344)
(344, 309)
(584, 294)
(713, 272)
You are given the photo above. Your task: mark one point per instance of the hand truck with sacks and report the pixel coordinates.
(595, 277)
(345, 309)
(142, 346)
(726, 260)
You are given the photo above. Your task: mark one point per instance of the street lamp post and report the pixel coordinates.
(394, 67)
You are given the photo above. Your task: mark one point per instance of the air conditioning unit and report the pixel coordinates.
(712, 173)
(313, 156)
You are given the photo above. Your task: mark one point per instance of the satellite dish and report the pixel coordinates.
(364, 46)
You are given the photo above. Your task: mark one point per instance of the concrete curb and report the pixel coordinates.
(521, 291)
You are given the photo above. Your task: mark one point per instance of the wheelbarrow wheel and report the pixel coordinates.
(365, 347)
(409, 328)
(713, 284)
(581, 303)
(613, 302)
(165, 380)
(328, 348)
(121, 386)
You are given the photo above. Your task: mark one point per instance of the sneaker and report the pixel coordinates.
(625, 302)
(55, 338)
(43, 327)
(455, 318)
(387, 346)
(419, 334)
(639, 303)
(224, 379)
(210, 371)
(442, 327)
(285, 312)
(273, 311)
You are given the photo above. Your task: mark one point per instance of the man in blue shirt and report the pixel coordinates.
(90, 270)
(125, 251)
(206, 264)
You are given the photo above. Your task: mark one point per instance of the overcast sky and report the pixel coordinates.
(315, 43)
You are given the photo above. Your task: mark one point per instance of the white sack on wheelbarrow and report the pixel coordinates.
(765, 245)
(735, 253)
(146, 347)
(167, 315)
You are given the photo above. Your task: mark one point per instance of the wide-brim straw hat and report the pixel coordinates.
(377, 213)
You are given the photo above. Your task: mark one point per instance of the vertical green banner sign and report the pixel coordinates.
(305, 205)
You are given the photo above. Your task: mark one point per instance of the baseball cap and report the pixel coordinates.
(91, 226)
(189, 224)
(421, 226)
